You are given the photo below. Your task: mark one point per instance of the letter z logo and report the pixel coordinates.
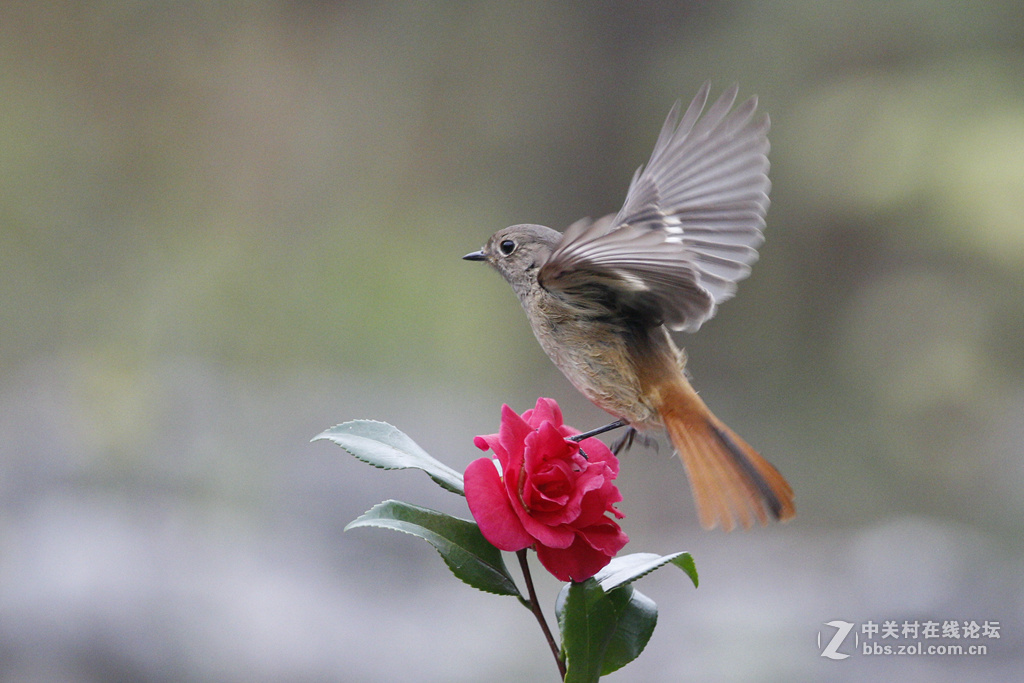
(831, 650)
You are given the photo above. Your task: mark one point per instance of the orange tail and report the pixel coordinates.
(731, 482)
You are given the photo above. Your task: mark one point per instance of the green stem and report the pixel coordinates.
(535, 608)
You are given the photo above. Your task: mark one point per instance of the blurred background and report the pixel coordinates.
(225, 227)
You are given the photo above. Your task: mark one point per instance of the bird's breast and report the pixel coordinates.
(598, 354)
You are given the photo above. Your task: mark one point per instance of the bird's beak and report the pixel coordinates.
(475, 256)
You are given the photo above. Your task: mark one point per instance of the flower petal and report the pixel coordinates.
(549, 490)
(578, 562)
(559, 536)
(512, 433)
(492, 509)
(595, 505)
(488, 442)
(606, 537)
(546, 445)
(546, 410)
(598, 452)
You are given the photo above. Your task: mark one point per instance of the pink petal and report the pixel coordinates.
(578, 562)
(548, 491)
(555, 536)
(546, 444)
(606, 537)
(593, 509)
(546, 410)
(490, 442)
(597, 452)
(512, 432)
(588, 484)
(492, 509)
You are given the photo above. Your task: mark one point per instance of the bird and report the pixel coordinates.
(603, 297)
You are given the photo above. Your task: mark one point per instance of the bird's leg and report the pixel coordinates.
(632, 436)
(600, 430)
(625, 441)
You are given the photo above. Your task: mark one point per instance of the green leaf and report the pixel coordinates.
(386, 447)
(602, 632)
(587, 618)
(626, 569)
(460, 543)
(605, 622)
(633, 628)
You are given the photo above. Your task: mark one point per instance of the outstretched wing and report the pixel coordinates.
(692, 219)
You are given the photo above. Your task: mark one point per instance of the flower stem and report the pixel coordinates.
(535, 608)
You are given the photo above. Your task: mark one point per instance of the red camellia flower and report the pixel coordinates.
(541, 492)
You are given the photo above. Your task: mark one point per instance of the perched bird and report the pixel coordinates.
(602, 297)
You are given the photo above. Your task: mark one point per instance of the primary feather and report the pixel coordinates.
(692, 220)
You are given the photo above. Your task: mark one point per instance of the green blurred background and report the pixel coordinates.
(227, 226)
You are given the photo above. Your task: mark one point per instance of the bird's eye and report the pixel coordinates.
(507, 247)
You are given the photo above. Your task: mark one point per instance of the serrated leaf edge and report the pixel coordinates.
(355, 523)
(662, 561)
(324, 435)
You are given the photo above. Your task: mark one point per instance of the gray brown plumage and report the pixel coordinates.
(602, 297)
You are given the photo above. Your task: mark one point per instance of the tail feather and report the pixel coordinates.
(731, 482)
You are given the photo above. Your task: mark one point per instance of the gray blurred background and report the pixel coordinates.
(225, 227)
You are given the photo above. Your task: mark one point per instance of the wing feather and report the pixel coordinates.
(692, 220)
